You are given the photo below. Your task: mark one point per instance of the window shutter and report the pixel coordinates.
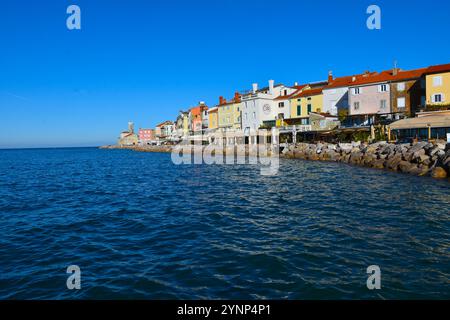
(432, 98)
(442, 97)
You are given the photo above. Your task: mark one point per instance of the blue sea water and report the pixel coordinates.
(141, 227)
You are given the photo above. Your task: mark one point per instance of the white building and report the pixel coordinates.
(260, 107)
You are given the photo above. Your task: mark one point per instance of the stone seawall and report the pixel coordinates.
(422, 158)
(140, 148)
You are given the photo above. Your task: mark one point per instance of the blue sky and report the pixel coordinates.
(143, 61)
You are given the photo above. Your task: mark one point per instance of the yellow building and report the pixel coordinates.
(186, 124)
(229, 113)
(309, 100)
(213, 121)
(438, 85)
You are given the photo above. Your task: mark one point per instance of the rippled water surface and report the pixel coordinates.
(140, 227)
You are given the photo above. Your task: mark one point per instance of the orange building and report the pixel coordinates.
(199, 117)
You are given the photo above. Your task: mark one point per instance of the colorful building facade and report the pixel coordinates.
(438, 85)
(213, 119)
(146, 136)
(229, 113)
(199, 119)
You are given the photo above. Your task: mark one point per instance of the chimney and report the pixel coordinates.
(353, 79)
(255, 87)
(202, 103)
(237, 97)
(394, 71)
(271, 86)
(330, 76)
(221, 100)
(295, 84)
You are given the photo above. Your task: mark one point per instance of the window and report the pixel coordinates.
(281, 105)
(437, 98)
(299, 110)
(309, 108)
(437, 81)
(401, 103)
(254, 115)
(309, 98)
(383, 104)
(356, 105)
(401, 86)
(298, 100)
(246, 117)
(285, 92)
(383, 88)
(356, 91)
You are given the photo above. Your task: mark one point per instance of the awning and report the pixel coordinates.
(433, 121)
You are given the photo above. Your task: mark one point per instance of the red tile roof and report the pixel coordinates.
(438, 68)
(388, 76)
(309, 92)
(347, 80)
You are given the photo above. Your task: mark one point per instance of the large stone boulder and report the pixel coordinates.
(393, 162)
(439, 173)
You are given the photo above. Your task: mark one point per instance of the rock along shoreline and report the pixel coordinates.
(420, 159)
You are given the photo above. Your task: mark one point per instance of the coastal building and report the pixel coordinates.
(335, 94)
(199, 118)
(426, 126)
(285, 104)
(308, 100)
(128, 138)
(183, 124)
(323, 121)
(438, 85)
(229, 113)
(259, 107)
(146, 136)
(213, 119)
(164, 130)
(395, 92)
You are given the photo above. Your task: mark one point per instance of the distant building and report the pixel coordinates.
(229, 113)
(183, 124)
(146, 136)
(213, 119)
(128, 138)
(259, 107)
(164, 130)
(199, 118)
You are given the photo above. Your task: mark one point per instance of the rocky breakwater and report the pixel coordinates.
(140, 148)
(422, 158)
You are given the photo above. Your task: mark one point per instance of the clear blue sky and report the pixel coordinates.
(145, 60)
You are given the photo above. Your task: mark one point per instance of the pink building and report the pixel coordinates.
(146, 136)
